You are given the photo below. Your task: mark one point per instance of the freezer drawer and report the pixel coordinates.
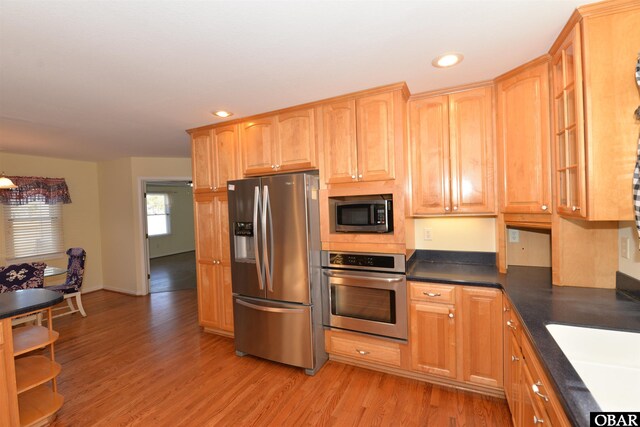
(275, 331)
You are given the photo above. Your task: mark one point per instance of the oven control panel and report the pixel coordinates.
(361, 260)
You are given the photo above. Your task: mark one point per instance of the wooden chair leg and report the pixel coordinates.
(79, 304)
(70, 304)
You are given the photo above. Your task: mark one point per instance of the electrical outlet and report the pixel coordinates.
(624, 247)
(514, 236)
(427, 234)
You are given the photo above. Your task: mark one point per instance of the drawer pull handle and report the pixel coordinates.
(515, 359)
(536, 391)
(431, 294)
(510, 324)
(362, 352)
(537, 420)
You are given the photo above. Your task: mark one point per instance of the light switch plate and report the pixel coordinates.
(514, 236)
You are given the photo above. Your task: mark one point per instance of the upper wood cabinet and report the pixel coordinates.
(225, 149)
(257, 138)
(279, 143)
(522, 135)
(202, 161)
(376, 140)
(214, 158)
(569, 127)
(452, 155)
(360, 138)
(340, 142)
(595, 134)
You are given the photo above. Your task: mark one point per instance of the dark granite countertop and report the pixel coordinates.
(539, 303)
(27, 300)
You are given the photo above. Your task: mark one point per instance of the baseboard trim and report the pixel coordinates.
(218, 332)
(120, 290)
(488, 391)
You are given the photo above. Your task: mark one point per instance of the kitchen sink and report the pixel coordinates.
(607, 361)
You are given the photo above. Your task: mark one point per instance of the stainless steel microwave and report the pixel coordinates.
(364, 216)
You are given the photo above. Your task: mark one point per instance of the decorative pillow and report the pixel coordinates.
(22, 276)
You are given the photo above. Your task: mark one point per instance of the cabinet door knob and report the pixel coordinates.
(514, 359)
(215, 188)
(353, 177)
(537, 420)
(544, 207)
(575, 208)
(511, 325)
(362, 352)
(277, 166)
(455, 208)
(273, 166)
(505, 309)
(446, 208)
(451, 316)
(360, 176)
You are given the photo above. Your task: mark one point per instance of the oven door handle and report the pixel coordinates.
(368, 278)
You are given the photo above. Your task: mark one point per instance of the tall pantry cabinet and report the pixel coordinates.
(214, 162)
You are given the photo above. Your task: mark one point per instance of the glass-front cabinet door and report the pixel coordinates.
(569, 127)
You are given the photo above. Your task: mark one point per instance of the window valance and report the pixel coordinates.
(36, 189)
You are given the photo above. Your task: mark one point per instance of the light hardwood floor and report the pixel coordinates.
(144, 361)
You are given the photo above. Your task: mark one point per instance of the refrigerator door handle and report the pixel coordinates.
(256, 208)
(270, 309)
(265, 251)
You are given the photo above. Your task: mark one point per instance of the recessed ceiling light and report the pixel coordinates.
(447, 60)
(223, 114)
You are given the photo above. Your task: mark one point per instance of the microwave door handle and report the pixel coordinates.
(265, 245)
(256, 250)
(365, 278)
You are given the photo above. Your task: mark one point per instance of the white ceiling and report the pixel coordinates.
(97, 80)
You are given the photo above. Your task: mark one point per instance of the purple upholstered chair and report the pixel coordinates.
(22, 276)
(71, 287)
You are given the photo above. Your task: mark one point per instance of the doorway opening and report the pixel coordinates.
(170, 235)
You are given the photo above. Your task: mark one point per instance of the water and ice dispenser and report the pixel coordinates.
(243, 242)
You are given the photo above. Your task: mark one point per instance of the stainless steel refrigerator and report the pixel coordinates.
(275, 268)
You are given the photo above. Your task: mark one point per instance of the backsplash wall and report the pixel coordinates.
(455, 234)
(631, 266)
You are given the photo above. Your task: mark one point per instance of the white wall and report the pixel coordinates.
(117, 207)
(181, 237)
(121, 201)
(81, 218)
(456, 234)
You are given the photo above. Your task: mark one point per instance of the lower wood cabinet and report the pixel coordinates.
(213, 260)
(482, 336)
(433, 329)
(456, 332)
(365, 349)
(530, 395)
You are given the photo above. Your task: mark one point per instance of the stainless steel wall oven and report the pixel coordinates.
(365, 292)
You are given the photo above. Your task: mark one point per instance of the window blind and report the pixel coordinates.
(32, 230)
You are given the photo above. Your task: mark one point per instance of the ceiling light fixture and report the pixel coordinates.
(223, 114)
(447, 60)
(6, 183)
